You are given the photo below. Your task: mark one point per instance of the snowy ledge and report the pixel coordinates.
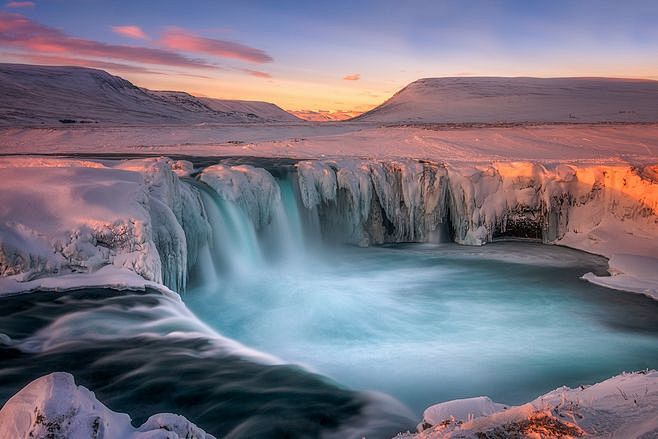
(634, 273)
(623, 406)
(111, 277)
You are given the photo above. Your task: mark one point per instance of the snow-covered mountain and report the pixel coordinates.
(59, 95)
(254, 109)
(493, 100)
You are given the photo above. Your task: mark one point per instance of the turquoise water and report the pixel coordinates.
(431, 323)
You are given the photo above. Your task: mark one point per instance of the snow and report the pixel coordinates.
(635, 273)
(138, 214)
(461, 410)
(622, 406)
(492, 99)
(590, 187)
(265, 111)
(610, 210)
(67, 223)
(53, 406)
(34, 95)
(599, 144)
(61, 217)
(109, 276)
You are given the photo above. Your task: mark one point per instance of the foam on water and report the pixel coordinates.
(430, 323)
(144, 353)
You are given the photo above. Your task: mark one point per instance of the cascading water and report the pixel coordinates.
(238, 249)
(234, 249)
(286, 233)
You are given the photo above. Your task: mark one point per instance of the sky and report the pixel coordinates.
(337, 57)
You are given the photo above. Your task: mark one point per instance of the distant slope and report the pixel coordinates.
(258, 109)
(53, 95)
(493, 99)
(325, 115)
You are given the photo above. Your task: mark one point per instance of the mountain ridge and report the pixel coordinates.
(37, 95)
(487, 99)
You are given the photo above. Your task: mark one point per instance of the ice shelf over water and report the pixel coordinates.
(65, 216)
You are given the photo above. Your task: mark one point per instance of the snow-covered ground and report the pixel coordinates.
(492, 99)
(599, 144)
(54, 407)
(620, 407)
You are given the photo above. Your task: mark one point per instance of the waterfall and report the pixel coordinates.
(234, 248)
(286, 231)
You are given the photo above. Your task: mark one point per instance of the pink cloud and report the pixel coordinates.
(257, 73)
(134, 32)
(181, 40)
(20, 5)
(352, 77)
(20, 32)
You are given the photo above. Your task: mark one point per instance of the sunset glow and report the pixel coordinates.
(347, 57)
(424, 219)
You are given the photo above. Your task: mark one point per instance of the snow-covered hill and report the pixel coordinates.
(35, 95)
(253, 109)
(493, 100)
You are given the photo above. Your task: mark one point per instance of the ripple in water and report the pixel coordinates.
(430, 323)
(144, 353)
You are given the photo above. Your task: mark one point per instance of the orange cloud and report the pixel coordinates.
(134, 32)
(352, 77)
(257, 73)
(179, 39)
(20, 5)
(20, 32)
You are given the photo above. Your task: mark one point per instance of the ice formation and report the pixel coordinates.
(253, 189)
(139, 214)
(53, 406)
(406, 200)
(79, 216)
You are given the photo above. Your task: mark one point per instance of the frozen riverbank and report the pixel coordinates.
(623, 406)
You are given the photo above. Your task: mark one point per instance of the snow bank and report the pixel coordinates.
(108, 276)
(61, 217)
(463, 410)
(635, 273)
(53, 406)
(622, 406)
